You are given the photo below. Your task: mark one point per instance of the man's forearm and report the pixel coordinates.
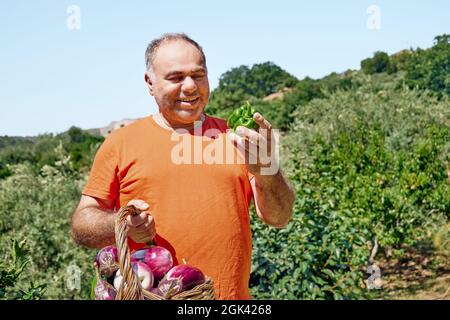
(275, 199)
(93, 227)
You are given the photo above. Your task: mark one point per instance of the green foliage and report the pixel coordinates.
(37, 207)
(281, 112)
(14, 141)
(366, 164)
(401, 60)
(244, 83)
(4, 171)
(11, 270)
(430, 68)
(380, 62)
(38, 151)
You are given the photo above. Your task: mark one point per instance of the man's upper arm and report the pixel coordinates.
(89, 202)
(85, 220)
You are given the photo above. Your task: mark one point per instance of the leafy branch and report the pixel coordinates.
(11, 272)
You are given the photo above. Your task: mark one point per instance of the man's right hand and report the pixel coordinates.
(142, 226)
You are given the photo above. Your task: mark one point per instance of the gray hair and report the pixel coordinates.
(153, 46)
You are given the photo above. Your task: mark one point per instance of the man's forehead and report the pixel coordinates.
(176, 54)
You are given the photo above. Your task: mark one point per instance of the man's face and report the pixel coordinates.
(179, 82)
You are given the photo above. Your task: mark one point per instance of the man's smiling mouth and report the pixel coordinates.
(189, 99)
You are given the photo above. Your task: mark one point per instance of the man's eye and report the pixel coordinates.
(175, 79)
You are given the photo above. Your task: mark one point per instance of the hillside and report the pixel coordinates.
(424, 69)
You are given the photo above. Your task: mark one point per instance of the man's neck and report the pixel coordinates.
(162, 121)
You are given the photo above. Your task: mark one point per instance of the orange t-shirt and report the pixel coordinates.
(200, 209)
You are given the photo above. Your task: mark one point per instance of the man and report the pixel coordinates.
(199, 211)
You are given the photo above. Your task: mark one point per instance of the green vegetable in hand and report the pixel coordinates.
(243, 116)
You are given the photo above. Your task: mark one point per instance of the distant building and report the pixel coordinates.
(114, 126)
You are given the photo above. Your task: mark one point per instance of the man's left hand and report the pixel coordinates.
(258, 147)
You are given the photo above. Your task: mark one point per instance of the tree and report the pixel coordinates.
(244, 83)
(430, 68)
(401, 59)
(76, 135)
(379, 63)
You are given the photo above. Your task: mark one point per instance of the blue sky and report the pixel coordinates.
(52, 77)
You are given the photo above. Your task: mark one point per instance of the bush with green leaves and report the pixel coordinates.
(37, 207)
(244, 83)
(401, 59)
(380, 62)
(11, 269)
(430, 68)
(366, 164)
(38, 151)
(280, 112)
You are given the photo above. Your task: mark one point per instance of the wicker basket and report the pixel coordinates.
(130, 288)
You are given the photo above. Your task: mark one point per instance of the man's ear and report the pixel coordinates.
(149, 83)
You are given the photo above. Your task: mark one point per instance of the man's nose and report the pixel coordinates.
(189, 85)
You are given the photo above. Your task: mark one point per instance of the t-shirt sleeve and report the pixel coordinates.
(103, 179)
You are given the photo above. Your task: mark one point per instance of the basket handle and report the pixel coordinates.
(130, 287)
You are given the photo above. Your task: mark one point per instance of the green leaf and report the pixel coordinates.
(93, 285)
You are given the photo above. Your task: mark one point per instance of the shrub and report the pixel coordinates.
(37, 207)
(379, 63)
(366, 165)
(10, 272)
(430, 69)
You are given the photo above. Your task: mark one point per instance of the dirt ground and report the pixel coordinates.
(419, 274)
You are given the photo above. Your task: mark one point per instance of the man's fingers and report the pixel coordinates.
(139, 204)
(143, 234)
(137, 220)
(238, 142)
(147, 225)
(245, 144)
(263, 123)
(249, 134)
(144, 228)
